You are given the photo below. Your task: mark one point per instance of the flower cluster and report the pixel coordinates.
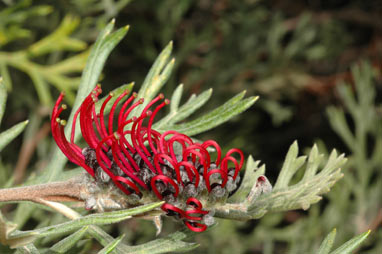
(142, 162)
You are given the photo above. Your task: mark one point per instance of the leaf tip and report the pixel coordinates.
(127, 27)
(305, 206)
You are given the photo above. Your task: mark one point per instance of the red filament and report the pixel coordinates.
(145, 159)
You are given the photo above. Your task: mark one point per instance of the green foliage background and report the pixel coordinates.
(315, 64)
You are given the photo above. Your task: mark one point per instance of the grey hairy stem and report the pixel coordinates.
(69, 190)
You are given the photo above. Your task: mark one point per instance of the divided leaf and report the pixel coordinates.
(291, 164)
(231, 108)
(45, 75)
(177, 113)
(284, 196)
(252, 172)
(59, 39)
(308, 190)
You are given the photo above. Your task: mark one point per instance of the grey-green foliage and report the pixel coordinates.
(28, 249)
(158, 75)
(59, 74)
(16, 238)
(345, 248)
(354, 203)
(101, 49)
(328, 242)
(257, 47)
(13, 18)
(285, 196)
(7, 136)
(106, 10)
(318, 177)
(68, 38)
(155, 80)
(177, 113)
(363, 137)
(106, 41)
(231, 108)
(111, 246)
(171, 243)
(69, 242)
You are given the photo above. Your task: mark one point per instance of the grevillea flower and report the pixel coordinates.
(143, 163)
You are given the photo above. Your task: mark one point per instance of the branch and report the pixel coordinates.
(27, 150)
(69, 190)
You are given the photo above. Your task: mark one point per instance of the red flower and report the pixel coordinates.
(141, 161)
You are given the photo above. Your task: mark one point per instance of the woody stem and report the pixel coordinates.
(69, 190)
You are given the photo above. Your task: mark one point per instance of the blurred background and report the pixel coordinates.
(315, 64)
